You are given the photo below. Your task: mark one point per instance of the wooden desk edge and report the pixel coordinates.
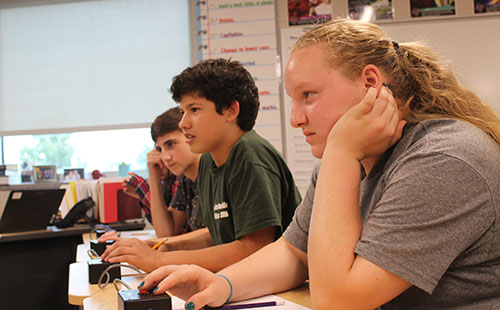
(79, 288)
(77, 291)
(299, 295)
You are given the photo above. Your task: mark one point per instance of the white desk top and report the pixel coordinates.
(293, 300)
(83, 257)
(107, 300)
(79, 287)
(139, 234)
(80, 292)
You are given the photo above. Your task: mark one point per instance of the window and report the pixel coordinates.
(75, 76)
(91, 150)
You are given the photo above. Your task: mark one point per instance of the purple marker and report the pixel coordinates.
(248, 306)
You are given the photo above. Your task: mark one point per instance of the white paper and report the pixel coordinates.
(178, 304)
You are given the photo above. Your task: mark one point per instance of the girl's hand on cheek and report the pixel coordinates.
(369, 128)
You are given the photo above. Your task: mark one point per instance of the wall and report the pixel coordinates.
(468, 43)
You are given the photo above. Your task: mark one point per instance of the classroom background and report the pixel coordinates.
(81, 81)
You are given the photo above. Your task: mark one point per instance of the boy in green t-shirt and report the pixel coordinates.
(247, 193)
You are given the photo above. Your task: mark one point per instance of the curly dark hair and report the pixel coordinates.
(166, 122)
(221, 81)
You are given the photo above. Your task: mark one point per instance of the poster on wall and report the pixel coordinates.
(370, 10)
(486, 6)
(245, 31)
(432, 7)
(301, 12)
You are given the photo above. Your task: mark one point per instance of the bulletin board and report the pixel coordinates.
(246, 31)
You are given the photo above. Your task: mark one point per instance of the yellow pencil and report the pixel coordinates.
(159, 243)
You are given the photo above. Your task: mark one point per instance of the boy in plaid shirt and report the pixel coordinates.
(169, 200)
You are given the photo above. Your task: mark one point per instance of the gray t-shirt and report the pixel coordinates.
(430, 211)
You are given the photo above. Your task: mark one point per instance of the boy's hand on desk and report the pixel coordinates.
(110, 235)
(189, 282)
(132, 251)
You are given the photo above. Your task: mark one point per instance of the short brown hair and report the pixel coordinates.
(221, 81)
(166, 122)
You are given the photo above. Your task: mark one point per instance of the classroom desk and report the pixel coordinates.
(34, 266)
(81, 293)
(79, 287)
(107, 299)
(81, 250)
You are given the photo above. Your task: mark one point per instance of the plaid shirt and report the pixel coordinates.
(141, 187)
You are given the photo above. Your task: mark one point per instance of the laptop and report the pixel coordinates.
(30, 209)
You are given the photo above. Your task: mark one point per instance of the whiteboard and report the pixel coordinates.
(470, 46)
